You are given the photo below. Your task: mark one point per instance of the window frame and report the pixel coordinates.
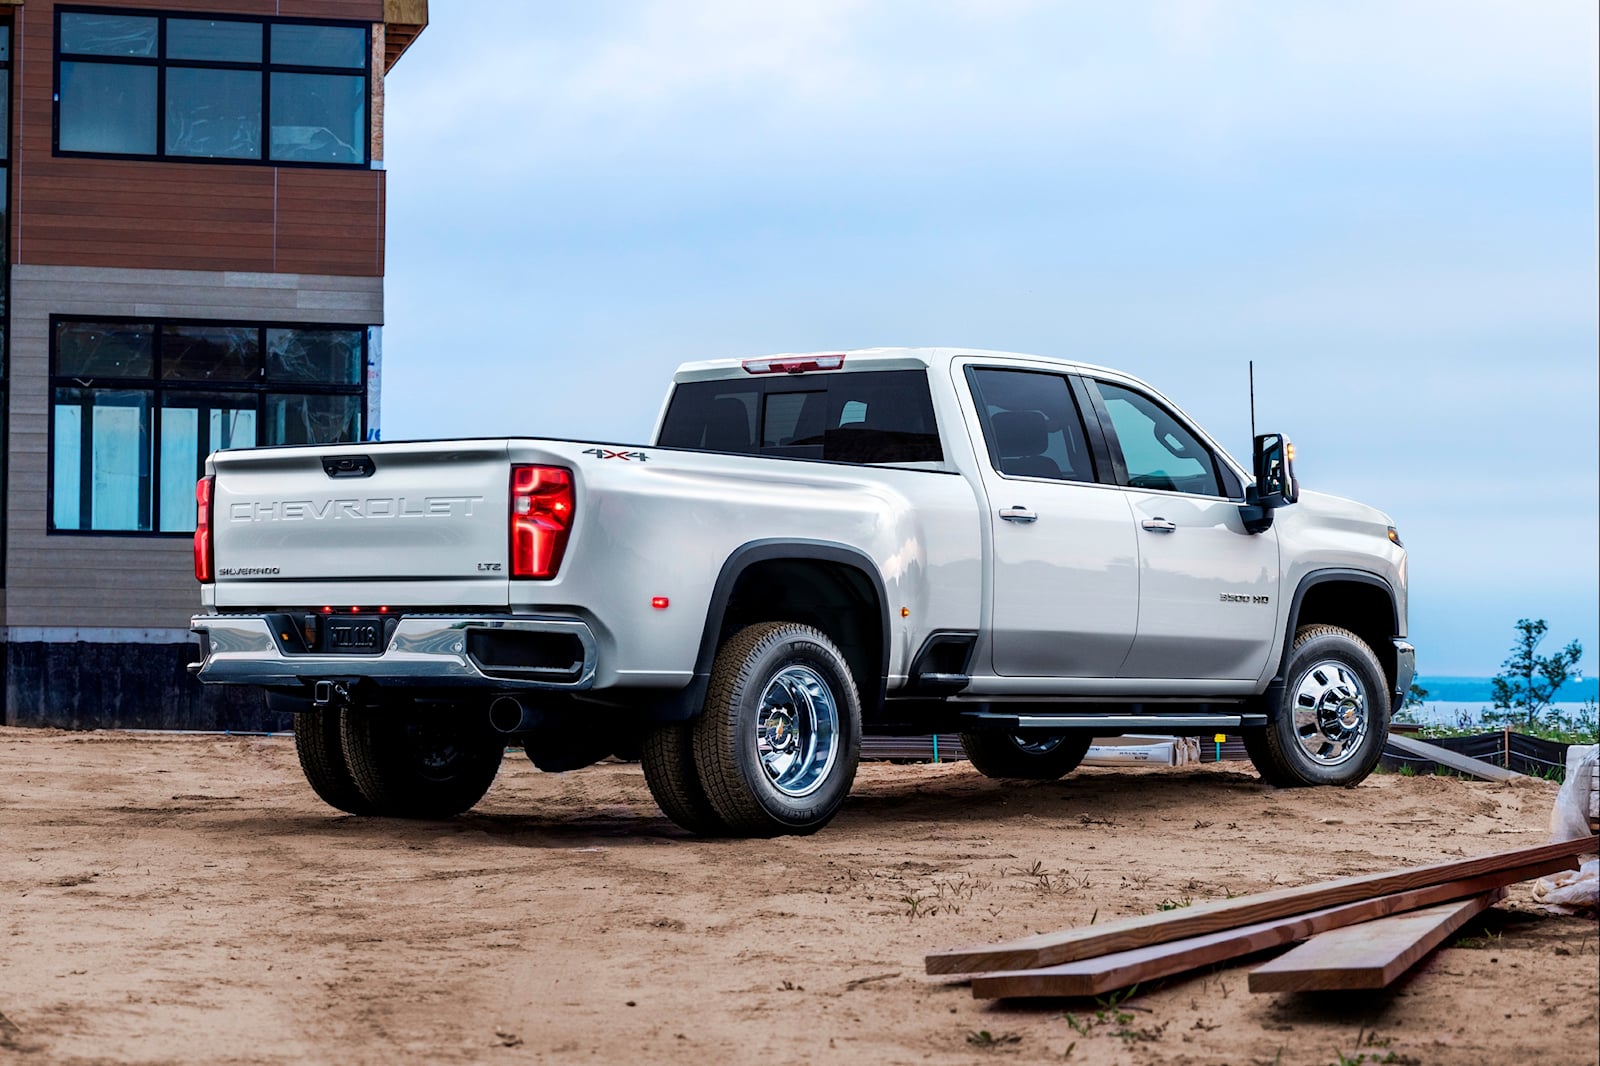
(1228, 482)
(259, 390)
(161, 64)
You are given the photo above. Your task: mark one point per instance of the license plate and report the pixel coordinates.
(341, 636)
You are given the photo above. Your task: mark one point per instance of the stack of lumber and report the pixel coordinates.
(1358, 932)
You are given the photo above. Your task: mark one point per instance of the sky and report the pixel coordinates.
(1389, 207)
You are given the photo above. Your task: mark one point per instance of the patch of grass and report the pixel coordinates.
(982, 1038)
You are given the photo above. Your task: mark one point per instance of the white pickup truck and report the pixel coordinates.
(1027, 551)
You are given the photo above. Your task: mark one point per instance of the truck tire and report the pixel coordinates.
(411, 764)
(1042, 758)
(1333, 720)
(669, 770)
(316, 741)
(777, 745)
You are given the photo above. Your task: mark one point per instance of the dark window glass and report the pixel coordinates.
(312, 419)
(330, 357)
(319, 118)
(788, 416)
(108, 35)
(876, 417)
(210, 353)
(102, 460)
(108, 108)
(88, 350)
(318, 46)
(220, 41)
(1032, 424)
(126, 459)
(193, 425)
(5, 113)
(1159, 451)
(213, 113)
(198, 88)
(5, 44)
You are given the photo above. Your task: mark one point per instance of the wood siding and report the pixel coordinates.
(141, 581)
(183, 216)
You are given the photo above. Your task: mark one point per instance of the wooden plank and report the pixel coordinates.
(1091, 977)
(1051, 949)
(1454, 760)
(1369, 955)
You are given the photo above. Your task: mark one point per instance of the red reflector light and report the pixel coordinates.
(202, 529)
(541, 518)
(660, 603)
(327, 610)
(793, 366)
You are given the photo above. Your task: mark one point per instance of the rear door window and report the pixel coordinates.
(871, 417)
(1031, 424)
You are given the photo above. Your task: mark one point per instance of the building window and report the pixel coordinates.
(179, 87)
(138, 405)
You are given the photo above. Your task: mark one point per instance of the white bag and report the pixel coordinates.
(1573, 891)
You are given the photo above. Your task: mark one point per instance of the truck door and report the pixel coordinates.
(1065, 560)
(1207, 588)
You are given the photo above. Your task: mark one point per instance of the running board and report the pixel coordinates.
(1112, 723)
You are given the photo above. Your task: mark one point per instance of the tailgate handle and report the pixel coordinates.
(348, 466)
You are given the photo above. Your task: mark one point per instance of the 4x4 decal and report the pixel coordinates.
(608, 453)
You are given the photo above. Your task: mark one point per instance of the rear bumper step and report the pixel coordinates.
(451, 651)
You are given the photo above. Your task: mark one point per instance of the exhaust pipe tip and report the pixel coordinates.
(508, 714)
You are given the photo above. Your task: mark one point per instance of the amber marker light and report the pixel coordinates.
(905, 612)
(1394, 537)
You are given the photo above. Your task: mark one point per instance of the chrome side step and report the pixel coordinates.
(1112, 723)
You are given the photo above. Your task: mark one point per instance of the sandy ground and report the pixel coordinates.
(187, 900)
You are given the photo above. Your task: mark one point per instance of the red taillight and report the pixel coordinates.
(541, 516)
(793, 366)
(202, 529)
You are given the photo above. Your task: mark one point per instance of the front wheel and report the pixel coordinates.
(415, 763)
(1042, 757)
(777, 745)
(1333, 720)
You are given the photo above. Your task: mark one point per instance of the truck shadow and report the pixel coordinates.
(953, 801)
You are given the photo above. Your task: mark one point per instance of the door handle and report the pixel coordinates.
(1018, 514)
(1159, 525)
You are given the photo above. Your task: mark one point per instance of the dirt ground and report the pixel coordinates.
(183, 899)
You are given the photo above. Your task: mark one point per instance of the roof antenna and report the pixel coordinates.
(1252, 399)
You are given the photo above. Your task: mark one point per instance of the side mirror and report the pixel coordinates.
(1274, 468)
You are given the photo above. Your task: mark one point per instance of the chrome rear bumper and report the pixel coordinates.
(424, 651)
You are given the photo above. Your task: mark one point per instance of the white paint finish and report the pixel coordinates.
(1065, 587)
(1186, 628)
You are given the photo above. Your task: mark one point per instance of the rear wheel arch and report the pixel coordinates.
(832, 587)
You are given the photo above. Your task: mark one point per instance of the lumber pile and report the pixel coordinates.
(1357, 932)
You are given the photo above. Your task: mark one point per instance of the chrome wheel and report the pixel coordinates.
(1042, 746)
(797, 730)
(1330, 713)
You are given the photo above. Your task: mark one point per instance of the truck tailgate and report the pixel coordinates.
(405, 523)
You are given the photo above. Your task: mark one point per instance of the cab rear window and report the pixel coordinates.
(873, 417)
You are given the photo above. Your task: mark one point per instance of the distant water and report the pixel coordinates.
(1460, 701)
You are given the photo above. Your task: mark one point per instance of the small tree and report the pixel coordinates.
(1528, 682)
